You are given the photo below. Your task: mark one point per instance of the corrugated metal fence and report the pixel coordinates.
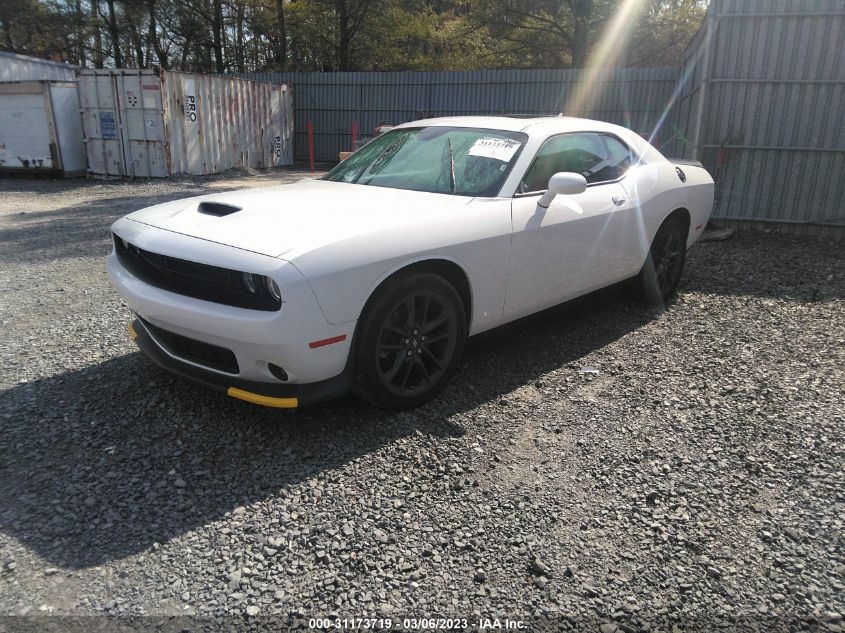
(635, 97)
(762, 105)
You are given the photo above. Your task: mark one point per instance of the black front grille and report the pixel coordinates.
(195, 351)
(201, 281)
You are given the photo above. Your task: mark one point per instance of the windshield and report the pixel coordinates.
(454, 160)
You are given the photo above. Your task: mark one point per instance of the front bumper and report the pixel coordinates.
(284, 396)
(289, 338)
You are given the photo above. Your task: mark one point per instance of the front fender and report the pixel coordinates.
(343, 275)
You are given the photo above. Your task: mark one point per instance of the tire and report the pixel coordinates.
(658, 280)
(403, 359)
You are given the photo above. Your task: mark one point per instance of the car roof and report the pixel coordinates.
(540, 125)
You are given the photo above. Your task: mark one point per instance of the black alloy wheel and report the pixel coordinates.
(410, 341)
(662, 270)
(416, 343)
(666, 263)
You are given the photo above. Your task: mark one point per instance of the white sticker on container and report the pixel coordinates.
(501, 149)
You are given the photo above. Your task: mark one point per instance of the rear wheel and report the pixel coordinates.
(409, 342)
(659, 277)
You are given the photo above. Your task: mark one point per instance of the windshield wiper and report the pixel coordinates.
(381, 160)
(452, 184)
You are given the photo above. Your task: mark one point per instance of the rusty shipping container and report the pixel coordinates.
(153, 124)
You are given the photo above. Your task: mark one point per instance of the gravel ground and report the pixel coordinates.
(599, 465)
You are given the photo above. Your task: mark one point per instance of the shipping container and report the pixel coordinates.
(40, 128)
(153, 124)
(14, 67)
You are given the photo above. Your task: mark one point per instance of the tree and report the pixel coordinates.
(33, 28)
(96, 21)
(562, 33)
(281, 36)
(79, 32)
(254, 35)
(153, 38)
(217, 34)
(432, 35)
(667, 28)
(114, 34)
(544, 33)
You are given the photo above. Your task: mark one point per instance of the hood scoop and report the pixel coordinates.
(218, 209)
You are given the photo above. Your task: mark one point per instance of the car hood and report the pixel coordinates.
(298, 217)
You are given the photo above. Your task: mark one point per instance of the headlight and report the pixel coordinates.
(253, 284)
(250, 282)
(273, 288)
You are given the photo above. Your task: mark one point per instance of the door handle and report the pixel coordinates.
(619, 200)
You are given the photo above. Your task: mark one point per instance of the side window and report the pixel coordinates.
(619, 159)
(597, 157)
(580, 153)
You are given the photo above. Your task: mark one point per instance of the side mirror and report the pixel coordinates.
(563, 183)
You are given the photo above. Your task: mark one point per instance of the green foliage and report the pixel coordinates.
(34, 28)
(258, 35)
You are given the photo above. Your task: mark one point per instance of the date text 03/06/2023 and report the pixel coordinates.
(417, 624)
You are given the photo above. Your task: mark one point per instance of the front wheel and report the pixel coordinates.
(409, 342)
(659, 277)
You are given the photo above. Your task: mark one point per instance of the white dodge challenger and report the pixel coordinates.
(371, 278)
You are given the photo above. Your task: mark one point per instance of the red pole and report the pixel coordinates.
(311, 144)
(354, 134)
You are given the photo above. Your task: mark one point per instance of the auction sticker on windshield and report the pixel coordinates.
(501, 149)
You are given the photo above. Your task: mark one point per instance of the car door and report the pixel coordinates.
(581, 242)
